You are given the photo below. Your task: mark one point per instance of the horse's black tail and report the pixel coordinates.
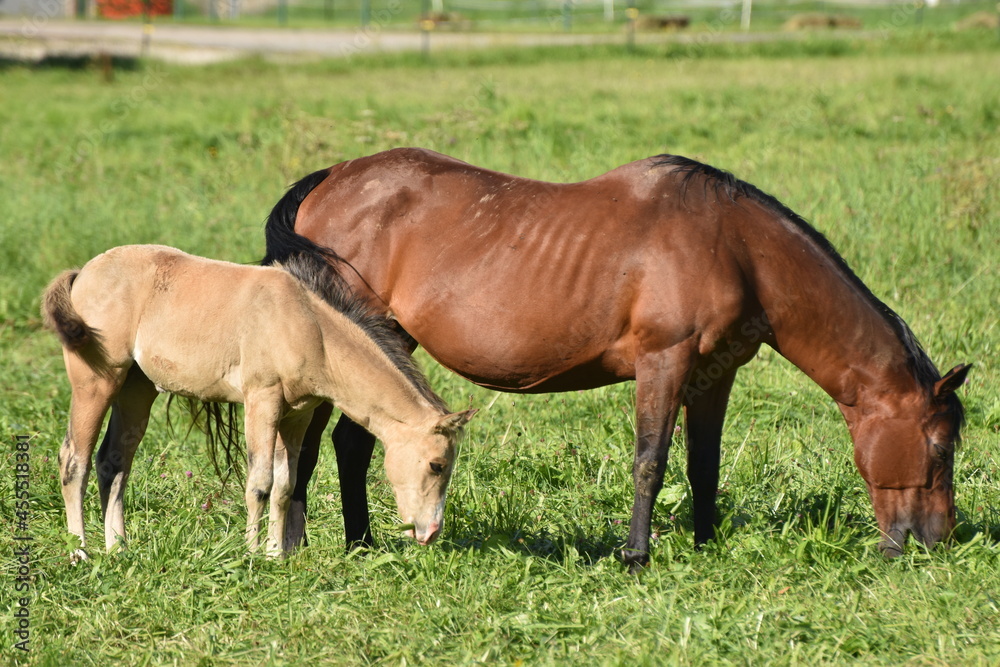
(221, 425)
(279, 231)
(316, 266)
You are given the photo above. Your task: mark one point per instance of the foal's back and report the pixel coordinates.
(197, 326)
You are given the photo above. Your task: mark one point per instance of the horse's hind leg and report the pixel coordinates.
(92, 395)
(354, 446)
(127, 426)
(704, 413)
(286, 459)
(295, 525)
(263, 410)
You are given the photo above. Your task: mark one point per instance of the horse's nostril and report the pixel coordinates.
(890, 550)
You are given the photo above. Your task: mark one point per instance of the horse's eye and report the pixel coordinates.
(437, 467)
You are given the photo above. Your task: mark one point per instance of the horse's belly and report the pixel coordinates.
(176, 374)
(505, 358)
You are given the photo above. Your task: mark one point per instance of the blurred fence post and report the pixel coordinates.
(632, 14)
(366, 12)
(745, 15)
(426, 25)
(147, 28)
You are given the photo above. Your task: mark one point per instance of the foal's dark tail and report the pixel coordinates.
(60, 316)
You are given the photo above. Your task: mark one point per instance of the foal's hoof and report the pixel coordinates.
(77, 556)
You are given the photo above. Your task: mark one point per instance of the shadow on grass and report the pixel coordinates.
(832, 512)
(586, 549)
(825, 518)
(73, 62)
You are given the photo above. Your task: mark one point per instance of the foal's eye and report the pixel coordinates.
(437, 467)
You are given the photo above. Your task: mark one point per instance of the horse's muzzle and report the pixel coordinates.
(427, 534)
(931, 531)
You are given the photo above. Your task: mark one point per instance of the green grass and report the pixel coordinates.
(889, 147)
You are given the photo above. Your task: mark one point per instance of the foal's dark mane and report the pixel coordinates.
(315, 275)
(313, 265)
(725, 184)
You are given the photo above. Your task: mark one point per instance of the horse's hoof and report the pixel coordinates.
(637, 561)
(77, 556)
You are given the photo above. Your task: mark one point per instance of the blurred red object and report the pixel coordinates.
(121, 9)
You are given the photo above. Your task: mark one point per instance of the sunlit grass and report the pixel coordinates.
(890, 150)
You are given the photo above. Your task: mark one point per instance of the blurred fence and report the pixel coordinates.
(564, 15)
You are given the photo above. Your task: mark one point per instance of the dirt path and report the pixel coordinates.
(35, 38)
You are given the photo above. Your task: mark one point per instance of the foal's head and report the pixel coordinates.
(906, 457)
(419, 468)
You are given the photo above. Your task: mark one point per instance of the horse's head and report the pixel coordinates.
(419, 467)
(905, 453)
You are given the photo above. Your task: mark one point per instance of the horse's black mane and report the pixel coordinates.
(315, 275)
(731, 187)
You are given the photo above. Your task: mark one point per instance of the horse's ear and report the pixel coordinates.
(453, 422)
(951, 381)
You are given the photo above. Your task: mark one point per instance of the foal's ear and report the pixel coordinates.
(453, 422)
(951, 381)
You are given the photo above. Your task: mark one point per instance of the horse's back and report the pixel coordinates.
(512, 282)
(196, 326)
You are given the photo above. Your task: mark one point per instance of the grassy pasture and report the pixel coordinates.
(889, 147)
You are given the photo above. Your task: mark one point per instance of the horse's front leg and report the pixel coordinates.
(263, 411)
(354, 446)
(295, 523)
(660, 377)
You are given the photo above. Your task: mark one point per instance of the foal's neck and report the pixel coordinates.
(365, 384)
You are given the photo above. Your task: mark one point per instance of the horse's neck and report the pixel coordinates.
(823, 323)
(366, 386)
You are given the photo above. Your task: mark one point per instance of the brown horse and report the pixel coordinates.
(665, 271)
(141, 319)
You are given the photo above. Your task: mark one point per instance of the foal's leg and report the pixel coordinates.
(659, 379)
(286, 457)
(263, 410)
(354, 446)
(704, 413)
(92, 395)
(295, 526)
(129, 417)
